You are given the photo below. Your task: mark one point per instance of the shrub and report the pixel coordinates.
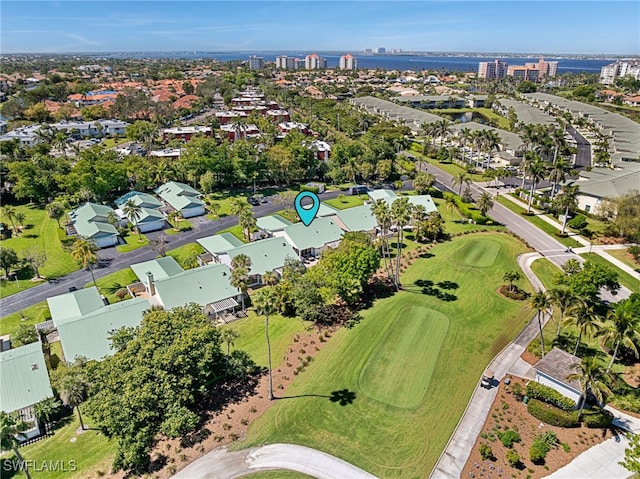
(508, 438)
(635, 252)
(516, 390)
(628, 402)
(565, 447)
(550, 438)
(313, 189)
(485, 451)
(538, 451)
(513, 458)
(552, 415)
(598, 419)
(546, 394)
(578, 222)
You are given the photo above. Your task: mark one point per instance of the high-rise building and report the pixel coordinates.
(527, 72)
(494, 69)
(256, 63)
(286, 63)
(380, 50)
(348, 62)
(314, 61)
(610, 73)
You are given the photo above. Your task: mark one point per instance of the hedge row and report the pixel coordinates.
(468, 212)
(552, 415)
(599, 419)
(546, 394)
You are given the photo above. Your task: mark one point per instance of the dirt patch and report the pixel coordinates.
(632, 376)
(516, 294)
(530, 357)
(509, 413)
(609, 240)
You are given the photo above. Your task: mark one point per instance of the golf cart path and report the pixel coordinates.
(222, 464)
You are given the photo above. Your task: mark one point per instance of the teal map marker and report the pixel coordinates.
(309, 212)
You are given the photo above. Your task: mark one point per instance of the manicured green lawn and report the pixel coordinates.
(132, 242)
(111, 142)
(55, 355)
(38, 313)
(503, 123)
(185, 225)
(453, 226)
(453, 289)
(349, 201)
(108, 284)
(625, 278)
(224, 199)
(624, 256)
(40, 232)
(92, 452)
(252, 338)
(235, 231)
(450, 168)
(546, 271)
(538, 222)
(183, 253)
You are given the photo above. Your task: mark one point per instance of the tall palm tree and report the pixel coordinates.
(238, 206)
(380, 209)
(442, 128)
(464, 135)
(45, 410)
(55, 211)
(593, 379)
(133, 212)
(241, 265)
(567, 199)
(247, 222)
(84, 252)
(485, 203)
(537, 171)
(72, 390)
(228, 335)
(562, 299)
(401, 216)
(10, 213)
(478, 141)
(584, 316)
(541, 303)
(269, 278)
(491, 141)
(450, 203)
(512, 277)
(622, 327)
(266, 302)
(557, 174)
(11, 426)
(460, 179)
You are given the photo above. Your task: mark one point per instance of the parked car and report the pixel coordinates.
(253, 201)
(487, 378)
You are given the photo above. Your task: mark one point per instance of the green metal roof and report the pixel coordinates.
(272, 223)
(381, 194)
(24, 377)
(88, 335)
(320, 232)
(160, 268)
(359, 218)
(148, 215)
(424, 200)
(326, 210)
(94, 229)
(218, 244)
(71, 305)
(146, 200)
(202, 285)
(266, 255)
(179, 195)
(91, 212)
(90, 221)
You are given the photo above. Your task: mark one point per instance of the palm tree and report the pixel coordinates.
(491, 141)
(238, 206)
(540, 302)
(241, 265)
(11, 427)
(584, 316)
(622, 327)
(72, 390)
(485, 203)
(228, 336)
(55, 211)
(592, 378)
(567, 199)
(133, 212)
(266, 303)
(557, 174)
(442, 128)
(401, 216)
(84, 252)
(537, 170)
(10, 212)
(269, 278)
(512, 277)
(450, 203)
(380, 209)
(563, 299)
(464, 135)
(477, 138)
(45, 410)
(460, 179)
(247, 222)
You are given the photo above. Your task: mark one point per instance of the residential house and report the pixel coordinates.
(310, 241)
(150, 271)
(268, 225)
(266, 255)
(359, 218)
(25, 382)
(237, 131)
(389, 196)
(185, 132)
(151, 217)
(324, 210)
(182, 198)
(85, 129)
(91, 221)
(26, 135)
(74, 304)
(287, 126)
(217, 245)
(322, 149)
(168, 153)
(554, 368)
(226, 116)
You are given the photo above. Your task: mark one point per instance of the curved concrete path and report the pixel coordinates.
(222, 464)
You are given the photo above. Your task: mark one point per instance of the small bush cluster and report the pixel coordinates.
(598, 419)
(508, 437)
(513, 458)
(552, 415)
(542, 444)
(485, 451)
(550, 396)
(578, 222)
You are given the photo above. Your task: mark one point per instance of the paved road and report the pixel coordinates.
(112, 261)
(221, 464)
(583, 154)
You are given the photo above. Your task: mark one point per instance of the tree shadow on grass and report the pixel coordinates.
(427, 255)
(447, 285)
(344, 397)
(303, 396)
(428, 288)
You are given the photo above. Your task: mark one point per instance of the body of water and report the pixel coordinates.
(387, 62)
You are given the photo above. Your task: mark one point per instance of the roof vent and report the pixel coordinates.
(34, 367)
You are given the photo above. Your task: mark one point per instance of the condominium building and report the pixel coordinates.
(286, 63)
(348, 62)
(528, 72)
(256, 63)
(314, 61)
(545, 68)
(610, 73)
(494, 69)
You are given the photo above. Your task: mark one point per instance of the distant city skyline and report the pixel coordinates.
(571, 27)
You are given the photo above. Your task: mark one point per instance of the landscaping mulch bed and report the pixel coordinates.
(508, 412)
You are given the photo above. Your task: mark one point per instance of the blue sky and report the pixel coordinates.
(472, 26)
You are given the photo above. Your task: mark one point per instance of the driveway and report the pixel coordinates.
(221, 464)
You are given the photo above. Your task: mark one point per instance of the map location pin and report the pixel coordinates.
(309, 212)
